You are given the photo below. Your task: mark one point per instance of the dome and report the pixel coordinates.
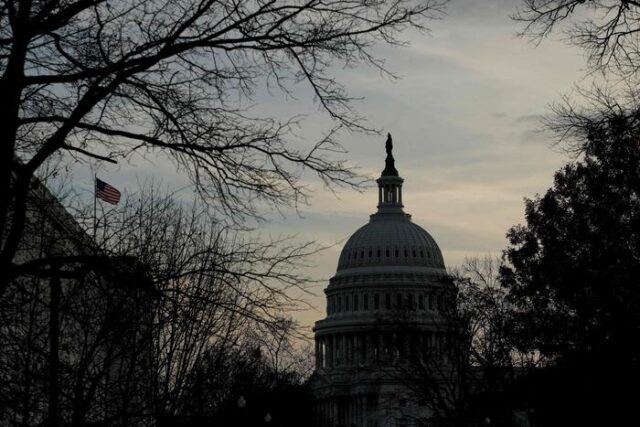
(386, 308)
(390, 240)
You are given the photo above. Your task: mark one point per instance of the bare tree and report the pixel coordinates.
(245, 385)
(482, 298)
(128, 332)
(606, 30)
(103, 80)
(286, 352)
(466, 361)
(214, 284)
(69, 326)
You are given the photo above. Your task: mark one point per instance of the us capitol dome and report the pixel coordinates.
(383, 310)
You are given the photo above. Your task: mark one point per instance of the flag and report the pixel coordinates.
(106, 192)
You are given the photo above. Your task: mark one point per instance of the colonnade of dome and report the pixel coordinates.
(346, 302)
(361, 349)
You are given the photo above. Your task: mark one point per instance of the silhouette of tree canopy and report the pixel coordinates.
(250, 370)
(573, 268)
(104, 80)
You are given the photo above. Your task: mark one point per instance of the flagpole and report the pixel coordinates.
(95, 202)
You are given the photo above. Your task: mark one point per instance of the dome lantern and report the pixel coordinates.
(390, 184)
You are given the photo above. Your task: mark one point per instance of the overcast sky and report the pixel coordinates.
(464, 118)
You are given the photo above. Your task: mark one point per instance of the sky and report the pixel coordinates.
(465, 118)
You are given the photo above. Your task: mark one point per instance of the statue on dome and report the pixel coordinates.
(389, 144)
(390, 169)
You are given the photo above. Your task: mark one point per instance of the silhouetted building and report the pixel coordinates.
(75, 327)
(390, 274)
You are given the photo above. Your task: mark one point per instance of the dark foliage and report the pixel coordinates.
(573, 276)
(245, 389)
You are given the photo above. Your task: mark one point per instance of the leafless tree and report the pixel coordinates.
(70, 326)
(606, 30)
(266, 375)
(483, 300)
(470, 352)
(215, 284)
(284, 349)
(103, 80)
(171, 287)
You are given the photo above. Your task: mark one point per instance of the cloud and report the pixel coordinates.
(465, 118)
(530, 119)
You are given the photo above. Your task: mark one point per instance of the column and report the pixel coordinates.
(332, 413)
(368, 349)
(347, 349)
(407, 345)
(332, 338)
(354, 410)
(395, 347)
(327, 351)
(354, 351)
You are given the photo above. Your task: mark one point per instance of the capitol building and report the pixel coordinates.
(384, 321)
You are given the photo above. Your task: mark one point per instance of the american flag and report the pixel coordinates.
(106, 192)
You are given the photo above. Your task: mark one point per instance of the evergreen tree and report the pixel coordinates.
(573, 274)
